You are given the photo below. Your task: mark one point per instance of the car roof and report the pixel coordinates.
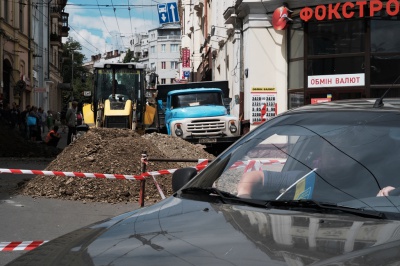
(390, 104)
(194, 90)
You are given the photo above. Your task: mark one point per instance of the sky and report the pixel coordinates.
(107, 25)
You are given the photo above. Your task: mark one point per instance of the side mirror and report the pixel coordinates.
(181, 177)
(160, 104)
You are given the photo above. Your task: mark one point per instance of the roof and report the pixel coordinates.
(103, 64)
(194, 90)
(390, 104)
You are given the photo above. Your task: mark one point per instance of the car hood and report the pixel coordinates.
(187, 232)
(198, 111)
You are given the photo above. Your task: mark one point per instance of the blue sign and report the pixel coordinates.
(168, 13)
(186, 74)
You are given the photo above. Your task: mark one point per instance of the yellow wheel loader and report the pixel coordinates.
(118, 96)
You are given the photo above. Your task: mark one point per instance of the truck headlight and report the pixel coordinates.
(232, 126)
(178, 130)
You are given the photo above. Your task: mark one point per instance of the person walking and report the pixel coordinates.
(71, 121)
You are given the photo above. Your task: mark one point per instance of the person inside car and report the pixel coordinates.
(333, 173)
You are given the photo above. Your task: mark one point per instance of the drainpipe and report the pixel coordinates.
(239, 25)
(48, 39)
(30, 52)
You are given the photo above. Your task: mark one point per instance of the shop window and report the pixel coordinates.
(326, 38)
(385, 36)
(335, 66)
(296, 74)
(384, 69)
(296, 44)
(296, 100)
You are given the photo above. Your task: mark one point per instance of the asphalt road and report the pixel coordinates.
(24, 218)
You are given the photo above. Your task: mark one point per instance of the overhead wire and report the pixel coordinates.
(130, 18)
(116, 19)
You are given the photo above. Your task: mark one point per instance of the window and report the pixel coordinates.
(152, 49)
(174, 65)
(6, 17)
(163, 65)
(336, 37)
(174, 48)
(163, 81)
(172, 81)
(21, 17)
(153, 66)
(385, 55)
(162, 48)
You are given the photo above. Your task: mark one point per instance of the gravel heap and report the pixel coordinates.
(112, 151)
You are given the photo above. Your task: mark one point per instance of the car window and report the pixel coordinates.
(342, 158)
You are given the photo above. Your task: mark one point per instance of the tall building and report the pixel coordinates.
(30, 52)
(15, 52)
(164, 55)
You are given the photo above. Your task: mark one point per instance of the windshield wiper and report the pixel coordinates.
(307, 204)
(224, 196)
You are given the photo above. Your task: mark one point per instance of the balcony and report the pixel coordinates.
(64, 31)
(55, 40)
(55, 11)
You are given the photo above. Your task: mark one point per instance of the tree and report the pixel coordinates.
(75, 69)
(128, 56)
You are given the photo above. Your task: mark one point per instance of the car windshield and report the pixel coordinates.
(344, 158)
(196, 99)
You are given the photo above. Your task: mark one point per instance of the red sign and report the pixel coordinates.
(346, 10)
(320, 100)
(185, 57)
(281, 17)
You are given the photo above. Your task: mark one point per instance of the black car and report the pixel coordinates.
(317, 185)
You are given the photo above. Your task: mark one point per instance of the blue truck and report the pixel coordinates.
(197, 112)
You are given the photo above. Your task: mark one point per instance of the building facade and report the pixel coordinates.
(15, 53)
(279, 55)
(164, 52)
(30, 56)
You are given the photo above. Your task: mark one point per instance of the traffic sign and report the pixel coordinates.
(168, 13)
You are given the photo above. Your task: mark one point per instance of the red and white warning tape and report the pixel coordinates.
(93, 175)
(200, 166)
(21, 245)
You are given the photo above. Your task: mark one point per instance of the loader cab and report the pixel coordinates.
(118, 95)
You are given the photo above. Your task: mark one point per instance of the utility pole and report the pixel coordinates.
(72, 75)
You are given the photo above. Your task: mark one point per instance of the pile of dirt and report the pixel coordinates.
(112, 151)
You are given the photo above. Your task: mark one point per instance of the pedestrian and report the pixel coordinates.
(23, 120)
(32, 123)
(71, 121)
(50, 119)
(53, 137)
(43, 119)
(14, 114)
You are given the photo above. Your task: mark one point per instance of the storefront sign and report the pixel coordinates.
(280, 17)
(347, 10)
(263, 104)
(262, 89)
(345, 80)
(39, 89)
(320, 100)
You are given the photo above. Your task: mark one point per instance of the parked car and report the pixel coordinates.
(316, 185)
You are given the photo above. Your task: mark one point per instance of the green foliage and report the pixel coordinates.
(128, 56)
(82, 80)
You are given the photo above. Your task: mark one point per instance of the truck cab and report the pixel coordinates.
(198, 115)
